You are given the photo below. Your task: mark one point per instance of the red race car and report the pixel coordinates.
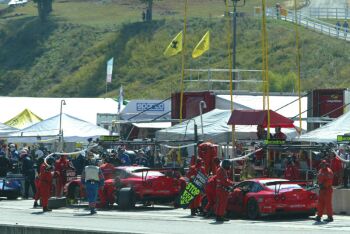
(266, 196)
(136, 184)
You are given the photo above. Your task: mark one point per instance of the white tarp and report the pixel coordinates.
(138, 110)
(328, 132)
(5, 129)
(82, 108)
(215, 129)
(74, 130)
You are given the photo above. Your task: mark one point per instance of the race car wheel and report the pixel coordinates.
(253, 209)
(13, 195)
(73, 192)
(126, 198)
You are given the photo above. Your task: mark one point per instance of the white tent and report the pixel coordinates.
(328, 132)
(82, 108)
(74, 130)
(215, 129)
(5, 129)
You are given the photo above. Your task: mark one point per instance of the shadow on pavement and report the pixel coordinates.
(38, 212)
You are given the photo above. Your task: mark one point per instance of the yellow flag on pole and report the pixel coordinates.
(202, 46)
(175, 46)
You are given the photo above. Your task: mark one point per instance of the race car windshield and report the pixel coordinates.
(149, 173)
(284, 186)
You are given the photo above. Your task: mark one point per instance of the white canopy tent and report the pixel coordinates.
(82, 108)
(74, 130)
(215, 129)
(5, 129)
(329, 132)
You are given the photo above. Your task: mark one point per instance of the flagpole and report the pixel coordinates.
(183, 60)
(297, 38)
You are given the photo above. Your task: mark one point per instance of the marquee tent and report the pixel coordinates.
(74, 130)
(24, 119)
(329, 132)
(215, 129)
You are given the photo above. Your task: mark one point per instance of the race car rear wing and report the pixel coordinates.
(162, 170)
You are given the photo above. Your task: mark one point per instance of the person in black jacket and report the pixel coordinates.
(28, 172)
(5, 164)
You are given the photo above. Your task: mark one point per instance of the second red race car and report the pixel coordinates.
(266, 196)
(134, 184)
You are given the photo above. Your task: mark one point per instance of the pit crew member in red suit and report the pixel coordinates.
(192, 172)
(45, 181)
(325, 180)
(223, 184)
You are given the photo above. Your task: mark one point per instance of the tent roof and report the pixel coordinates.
(328, 132)
(259, 117)
(215, 129)
(74, 129)
(24, 119)
(286, 105)
(82, 108)
(5, 129)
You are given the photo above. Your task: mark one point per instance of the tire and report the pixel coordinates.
(253, 211)
(126, 198)
(57, 202)
(13, 195)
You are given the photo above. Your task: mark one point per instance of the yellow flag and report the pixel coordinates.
(202, 46)
(175, 46)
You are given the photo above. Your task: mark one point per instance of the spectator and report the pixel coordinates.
(337, 28)
(28, 172)
(5, 164)
(345, 28)
(262, 133)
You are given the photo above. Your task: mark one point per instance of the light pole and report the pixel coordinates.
(63, 102)
(202, 104)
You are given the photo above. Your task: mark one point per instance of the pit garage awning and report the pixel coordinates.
(259, 117)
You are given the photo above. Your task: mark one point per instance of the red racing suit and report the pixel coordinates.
(292, 173)
(336, 167)
(210, 191)
(61, 166)
(106, 193)
(222, 183)
(325, 180)
(45, 182)
(207, 151)
(192, 172)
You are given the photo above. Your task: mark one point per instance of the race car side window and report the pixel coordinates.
(256, 188)
(245, 186)
(122, 174)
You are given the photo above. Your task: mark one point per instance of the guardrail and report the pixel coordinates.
(310, 23)
(328, 13)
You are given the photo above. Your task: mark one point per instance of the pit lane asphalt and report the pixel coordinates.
(157, 219)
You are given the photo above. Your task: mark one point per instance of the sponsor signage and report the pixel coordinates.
(343, 138)
(109, 138)
(146, 106)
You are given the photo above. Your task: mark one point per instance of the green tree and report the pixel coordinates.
(44, 9)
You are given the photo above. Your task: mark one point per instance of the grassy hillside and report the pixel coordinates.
(67, 56)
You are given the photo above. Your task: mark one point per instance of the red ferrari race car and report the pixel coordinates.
(266, 196)
(135, 184)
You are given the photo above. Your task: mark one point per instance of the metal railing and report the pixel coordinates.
(327, 13)
(311, 23)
